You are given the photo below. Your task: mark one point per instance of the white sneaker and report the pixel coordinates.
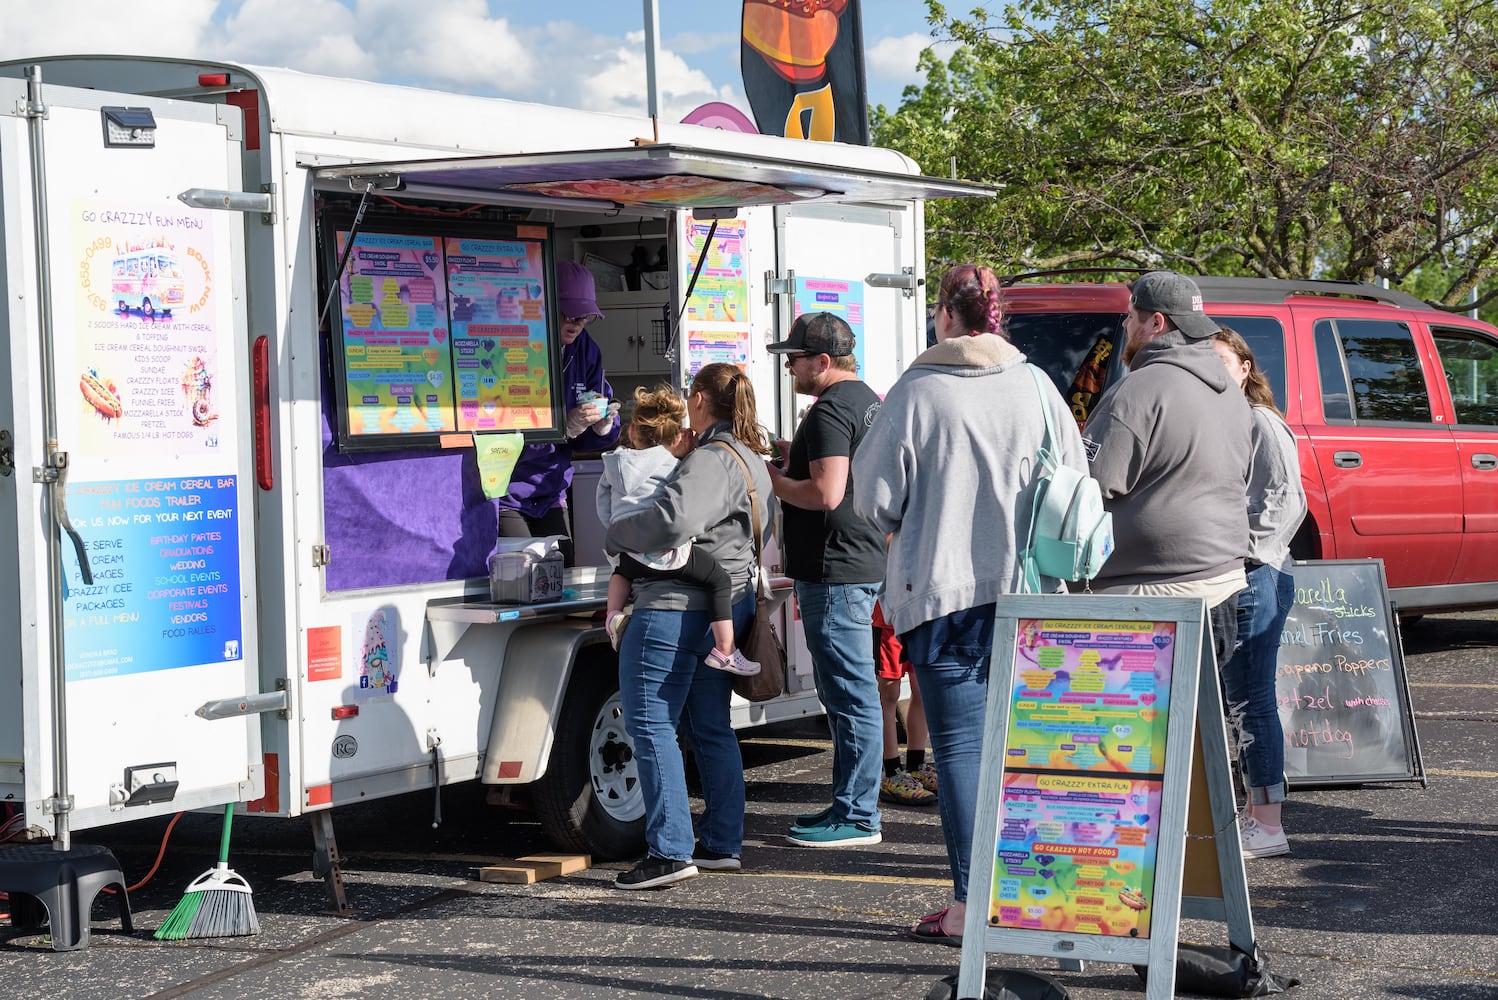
(1259, 841)
(734, 663)
(615, 628)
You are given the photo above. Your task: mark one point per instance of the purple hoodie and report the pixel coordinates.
(544, 471)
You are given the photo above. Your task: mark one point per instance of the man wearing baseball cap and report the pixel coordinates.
(1170, 447)
(837, 561)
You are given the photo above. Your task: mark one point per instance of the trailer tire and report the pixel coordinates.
(589, 799)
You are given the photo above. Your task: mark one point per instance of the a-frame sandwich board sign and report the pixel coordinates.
(1080, 839)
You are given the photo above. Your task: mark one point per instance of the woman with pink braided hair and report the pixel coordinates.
(948, 469)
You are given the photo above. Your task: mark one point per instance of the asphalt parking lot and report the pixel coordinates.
(1389, 892)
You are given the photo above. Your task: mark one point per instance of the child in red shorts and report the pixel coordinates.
(915, 783)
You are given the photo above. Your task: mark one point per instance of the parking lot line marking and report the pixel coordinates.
(865, 879)
(804, 744)
(1444, 773)
(1439, 684)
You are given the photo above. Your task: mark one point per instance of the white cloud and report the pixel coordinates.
(894, 57)
(617, 82)
(455, 41)
(63, 27)
(695, 42)
(324, 41)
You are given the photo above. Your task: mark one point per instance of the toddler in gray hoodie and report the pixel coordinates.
(632, 480)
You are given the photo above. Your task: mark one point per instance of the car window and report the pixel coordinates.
(1076, 350)
(1370, 372)
(1470, 362)
(1266, 338)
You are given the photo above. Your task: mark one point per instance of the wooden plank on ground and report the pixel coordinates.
(535, 868)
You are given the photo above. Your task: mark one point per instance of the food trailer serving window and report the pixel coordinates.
(441, 328)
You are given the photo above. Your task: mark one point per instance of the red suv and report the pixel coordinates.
(1395, 405)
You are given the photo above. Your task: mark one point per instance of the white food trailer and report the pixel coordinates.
(244, 549)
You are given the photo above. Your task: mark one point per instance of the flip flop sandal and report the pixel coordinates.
(929, 929)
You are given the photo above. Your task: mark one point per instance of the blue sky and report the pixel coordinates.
(586, 54)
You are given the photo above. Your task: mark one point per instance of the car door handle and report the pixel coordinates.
(1486, 463)
(1347, 459)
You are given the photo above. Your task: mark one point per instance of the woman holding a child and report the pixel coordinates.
(664, 679)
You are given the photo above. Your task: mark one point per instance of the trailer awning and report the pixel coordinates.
(658, 177)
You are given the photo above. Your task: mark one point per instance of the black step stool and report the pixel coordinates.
(64, 883)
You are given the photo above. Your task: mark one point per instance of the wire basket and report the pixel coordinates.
(660, 332)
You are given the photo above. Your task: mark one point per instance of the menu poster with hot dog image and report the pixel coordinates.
(500, 347)
(1075, 854)
(397, 368)
(1090, 696)
(145, 361)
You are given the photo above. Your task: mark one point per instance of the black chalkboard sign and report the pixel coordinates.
(1343, 695)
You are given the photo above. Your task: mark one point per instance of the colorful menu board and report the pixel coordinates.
(396, 363)
(148, 399)
(499, 334)
(716, 327)
(1084, 761)
(443, 334)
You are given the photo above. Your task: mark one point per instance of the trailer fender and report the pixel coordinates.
(532, 682)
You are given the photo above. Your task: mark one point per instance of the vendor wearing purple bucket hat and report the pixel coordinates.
(537, 502)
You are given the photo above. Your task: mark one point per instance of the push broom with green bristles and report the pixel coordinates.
(216, 904)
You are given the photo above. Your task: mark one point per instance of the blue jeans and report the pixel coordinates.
(663, 683)
(837, 619)
(1248, 682)
(950, 657)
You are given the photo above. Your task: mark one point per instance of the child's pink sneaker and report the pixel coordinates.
(734, 663)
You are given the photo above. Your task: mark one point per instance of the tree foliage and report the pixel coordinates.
(1281, 138)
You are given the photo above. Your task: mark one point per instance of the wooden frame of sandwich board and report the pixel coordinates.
(1068, 795)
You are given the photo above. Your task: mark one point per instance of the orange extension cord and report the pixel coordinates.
(131, 888)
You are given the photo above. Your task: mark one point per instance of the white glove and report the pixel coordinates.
(581, 418)
(606, 423)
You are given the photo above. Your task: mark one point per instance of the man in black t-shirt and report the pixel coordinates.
(837, 562)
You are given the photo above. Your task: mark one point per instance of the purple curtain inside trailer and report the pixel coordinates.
(401, 517)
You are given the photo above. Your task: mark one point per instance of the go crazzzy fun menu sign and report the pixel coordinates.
(1084, 756)
(1079, 834)
(1080, 828)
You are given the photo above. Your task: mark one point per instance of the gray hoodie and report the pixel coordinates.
(948, 470)
(1276, 497)
(631, 479)
(706, 501)
(1170, 449)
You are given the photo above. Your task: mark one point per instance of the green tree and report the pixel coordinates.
(1281, 138)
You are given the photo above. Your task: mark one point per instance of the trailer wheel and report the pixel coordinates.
(589, 799)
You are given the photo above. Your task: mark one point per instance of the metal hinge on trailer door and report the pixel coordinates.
(321, 556)
(779, 286)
